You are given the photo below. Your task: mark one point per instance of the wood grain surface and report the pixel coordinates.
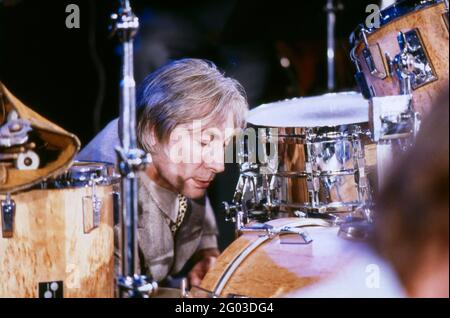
(274, 269)
(435, 36)
(49, 244)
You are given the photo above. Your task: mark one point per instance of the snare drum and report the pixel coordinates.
(261, 265)
(412, 41)
(59, 241)
(311, 154)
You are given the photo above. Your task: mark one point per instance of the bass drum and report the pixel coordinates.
(59, 241)
(258, 265)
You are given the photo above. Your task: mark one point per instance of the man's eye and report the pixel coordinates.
(206, 142)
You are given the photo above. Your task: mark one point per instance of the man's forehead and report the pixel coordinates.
(209, 127)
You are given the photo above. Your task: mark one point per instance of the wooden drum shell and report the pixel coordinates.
(274, 269)
(434, 33)
(49, 244)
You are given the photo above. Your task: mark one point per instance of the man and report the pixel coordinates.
(187, 112)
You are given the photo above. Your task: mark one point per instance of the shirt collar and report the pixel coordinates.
(166, 200)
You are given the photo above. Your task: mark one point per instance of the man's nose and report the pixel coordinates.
(216, 159)
(216, 167)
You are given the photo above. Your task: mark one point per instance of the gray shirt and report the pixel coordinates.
(161, 254)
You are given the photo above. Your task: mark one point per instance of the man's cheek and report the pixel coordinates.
(214, 153)
(196, 154)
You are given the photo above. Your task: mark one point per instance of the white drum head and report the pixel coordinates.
(333, 109)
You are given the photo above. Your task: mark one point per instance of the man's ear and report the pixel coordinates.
(152, 137)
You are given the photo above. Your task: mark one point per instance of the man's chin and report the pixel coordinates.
(195, 193)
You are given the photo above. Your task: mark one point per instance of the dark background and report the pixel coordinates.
(71, 76)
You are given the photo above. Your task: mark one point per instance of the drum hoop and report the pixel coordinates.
(324, 173)
(390, 14)
(316, 134)
(60, 182)
(322, 209)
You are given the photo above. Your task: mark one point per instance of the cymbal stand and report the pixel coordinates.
(131, 159)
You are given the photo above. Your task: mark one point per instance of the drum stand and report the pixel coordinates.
(131, 159)
(331, 10)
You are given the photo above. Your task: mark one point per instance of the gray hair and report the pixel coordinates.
(183, 91)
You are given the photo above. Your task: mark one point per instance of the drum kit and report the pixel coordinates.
(310, 173)
(323, 157)
(327, 154)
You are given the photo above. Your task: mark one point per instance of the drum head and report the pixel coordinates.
(330, 110)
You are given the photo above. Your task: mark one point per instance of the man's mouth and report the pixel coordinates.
(202, 183)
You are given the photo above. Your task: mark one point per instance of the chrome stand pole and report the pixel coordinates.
(331, 10)
(131, 159)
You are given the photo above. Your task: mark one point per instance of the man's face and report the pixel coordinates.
(192, 157)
